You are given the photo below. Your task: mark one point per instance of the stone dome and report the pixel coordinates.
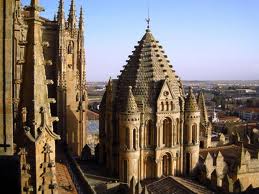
(145, 71)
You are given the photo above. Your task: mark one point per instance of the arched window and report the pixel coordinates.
(162, 106)
(149, 133)
(188, 163)
(134, 139)
(127, 138)
(167, 106)
(172, 105)
(150, 167)
(167, 132)
(194, 133)
(167, 165)
(70, 47)
(177, 131)
(125, 171)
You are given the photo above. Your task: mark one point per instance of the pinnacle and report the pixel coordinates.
(131, 105)
(190, 102)
(203, 108)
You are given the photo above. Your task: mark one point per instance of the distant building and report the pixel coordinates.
(257, 91)
(249, 113)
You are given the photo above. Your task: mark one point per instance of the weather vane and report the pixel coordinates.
(148, 18)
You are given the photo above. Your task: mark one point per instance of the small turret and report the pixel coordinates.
(72, 16)
(191, 133)
(190, 102)
(129, 136)
(131, 105)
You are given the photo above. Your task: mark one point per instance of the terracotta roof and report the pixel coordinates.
(176, 185)
(249, 109)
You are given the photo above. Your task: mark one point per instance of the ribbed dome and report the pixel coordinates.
(145, 71)
(190, 102)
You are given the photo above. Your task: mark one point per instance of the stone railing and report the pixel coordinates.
(80, 181)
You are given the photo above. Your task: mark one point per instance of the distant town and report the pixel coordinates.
(230, 103)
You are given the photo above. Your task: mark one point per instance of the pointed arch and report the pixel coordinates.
(150, 167)
(167, 164)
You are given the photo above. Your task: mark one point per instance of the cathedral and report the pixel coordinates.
(64, 61)
(148, 128)
(154, 137)
(44, 94)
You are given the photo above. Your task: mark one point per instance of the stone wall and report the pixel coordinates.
(6, 69)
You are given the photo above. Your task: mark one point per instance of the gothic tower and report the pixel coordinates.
(141, 116)
(35, 135)
(191, 133)
(72, 92)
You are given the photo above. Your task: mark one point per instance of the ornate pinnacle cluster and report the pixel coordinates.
(190, 102)
(72, 16)
(61, 14)
(71, 22)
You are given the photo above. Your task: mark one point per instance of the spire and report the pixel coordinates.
(61, 15)
(72, 16)
(36, 122)
(81, 31)
(81, 49)
(203, 109)
(190, 102)
(81, 19)
(34, 78)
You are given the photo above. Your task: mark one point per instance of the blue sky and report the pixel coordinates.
(204, 39)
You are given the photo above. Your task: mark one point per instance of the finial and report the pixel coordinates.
(34, 3)
(148, 16)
